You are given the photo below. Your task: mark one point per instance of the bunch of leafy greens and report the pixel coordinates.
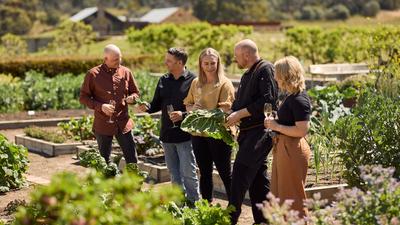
(92, 158)
(209, 123)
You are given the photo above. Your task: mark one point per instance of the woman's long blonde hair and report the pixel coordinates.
(290, 74)
(220, 68)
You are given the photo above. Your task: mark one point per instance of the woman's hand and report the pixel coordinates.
(271, 123)
(193, 107)
(196, 105)
(225, 106)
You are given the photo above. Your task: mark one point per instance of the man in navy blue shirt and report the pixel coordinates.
(257, 87)
(171, 89)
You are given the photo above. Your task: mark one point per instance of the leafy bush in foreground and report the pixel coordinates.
(202, 214)
(13, 165)
(96, 200)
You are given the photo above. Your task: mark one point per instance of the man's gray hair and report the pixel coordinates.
(111, 48)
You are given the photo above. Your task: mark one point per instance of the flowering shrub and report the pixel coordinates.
(379, 204)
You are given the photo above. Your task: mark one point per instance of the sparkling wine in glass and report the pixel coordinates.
(268, 110)
(170, 109)
(113, 103)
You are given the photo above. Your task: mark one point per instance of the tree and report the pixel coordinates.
(371, 9)
(71, 37)
(206, 9)
(14, 20)
(389, 4)
(235, 10)
(338, 12)
(310, 13)
(194, 37)
(13, 45)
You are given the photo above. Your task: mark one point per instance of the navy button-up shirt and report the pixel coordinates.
(171, 91)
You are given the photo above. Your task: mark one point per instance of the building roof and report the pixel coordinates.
(83, 14)
(158, 15)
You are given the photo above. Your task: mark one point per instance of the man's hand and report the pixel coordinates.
(107, 109)
(144, 107)
(233, 119)
(176, 116)
(131, 98)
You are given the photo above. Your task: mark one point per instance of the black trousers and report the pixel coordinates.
(124, 140)
(208, 151)
(253, 147)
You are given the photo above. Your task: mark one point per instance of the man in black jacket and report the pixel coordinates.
(171, 89)
(257, 87)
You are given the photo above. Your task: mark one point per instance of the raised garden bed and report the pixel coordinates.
(157, 172)
(44, 147)
(327, 191)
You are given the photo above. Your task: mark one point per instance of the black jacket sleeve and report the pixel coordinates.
(155, 104)
(266, 89)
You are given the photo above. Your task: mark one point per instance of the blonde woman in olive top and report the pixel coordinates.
(209, 91)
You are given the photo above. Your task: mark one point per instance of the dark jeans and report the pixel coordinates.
(124, 140)
(250, 173)
(208, 150)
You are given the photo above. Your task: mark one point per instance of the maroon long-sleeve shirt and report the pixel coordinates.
(103, 84)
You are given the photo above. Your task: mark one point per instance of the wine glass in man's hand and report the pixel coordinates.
(170, 109)
(113, 103)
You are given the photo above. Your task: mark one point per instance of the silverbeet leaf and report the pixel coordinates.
(209, 123)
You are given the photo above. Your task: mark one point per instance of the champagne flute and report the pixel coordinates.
(170, 109)
(113, 103)
(268, 112)
(268, 109)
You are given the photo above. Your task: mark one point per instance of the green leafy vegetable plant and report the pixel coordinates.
(14, 163)
(209, 123)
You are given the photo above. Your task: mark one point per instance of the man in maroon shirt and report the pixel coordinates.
(108, 89)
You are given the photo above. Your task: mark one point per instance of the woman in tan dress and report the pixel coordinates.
(209, 91)
(291, 152)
